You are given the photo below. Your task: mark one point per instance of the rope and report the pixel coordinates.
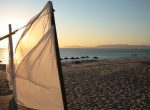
(1, 38)
(22, 27)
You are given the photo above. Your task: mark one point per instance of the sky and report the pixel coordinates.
(85, 23)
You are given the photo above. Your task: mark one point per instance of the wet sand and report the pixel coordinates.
(119, 84)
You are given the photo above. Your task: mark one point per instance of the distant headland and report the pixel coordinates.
(114, 46)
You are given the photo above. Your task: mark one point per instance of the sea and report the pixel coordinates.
(3, 56)
(91, 53)
(103, 53)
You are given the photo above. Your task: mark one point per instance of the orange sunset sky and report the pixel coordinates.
(85, 23)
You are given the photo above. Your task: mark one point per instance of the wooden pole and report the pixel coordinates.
(59, 62)
(12, 70)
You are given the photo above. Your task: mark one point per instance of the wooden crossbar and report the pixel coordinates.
(8, 35)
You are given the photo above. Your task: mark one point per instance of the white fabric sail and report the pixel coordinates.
(36, 71)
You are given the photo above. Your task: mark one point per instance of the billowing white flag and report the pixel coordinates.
(36, 71)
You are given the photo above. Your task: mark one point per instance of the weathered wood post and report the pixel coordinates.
(13, 105)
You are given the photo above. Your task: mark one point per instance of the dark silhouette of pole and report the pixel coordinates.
(12, 71)
(58, 60)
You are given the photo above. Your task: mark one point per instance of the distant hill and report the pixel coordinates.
(115, 46)
(74, 46)
(118, 46)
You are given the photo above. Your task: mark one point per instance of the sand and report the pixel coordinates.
(108, 84)
(4, 102)
(119, 84)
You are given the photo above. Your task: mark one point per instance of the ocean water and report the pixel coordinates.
(3, 56)
(103, 53)
(100, 53)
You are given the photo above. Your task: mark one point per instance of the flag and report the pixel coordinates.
(37, 80)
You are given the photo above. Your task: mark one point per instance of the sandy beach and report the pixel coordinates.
(118, 84)
(109, 84)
